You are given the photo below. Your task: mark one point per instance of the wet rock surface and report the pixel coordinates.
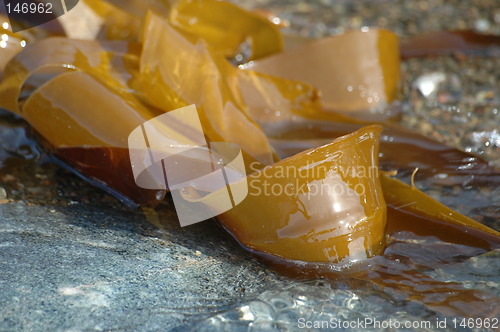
(83, 267)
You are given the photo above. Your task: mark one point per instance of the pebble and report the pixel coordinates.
(3, 196)
(482, 25)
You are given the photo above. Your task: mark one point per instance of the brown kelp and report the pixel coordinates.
(329, 205)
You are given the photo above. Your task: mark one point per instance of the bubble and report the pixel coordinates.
(160, 195)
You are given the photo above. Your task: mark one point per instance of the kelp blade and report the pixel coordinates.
(357, 73)
(316, 206)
